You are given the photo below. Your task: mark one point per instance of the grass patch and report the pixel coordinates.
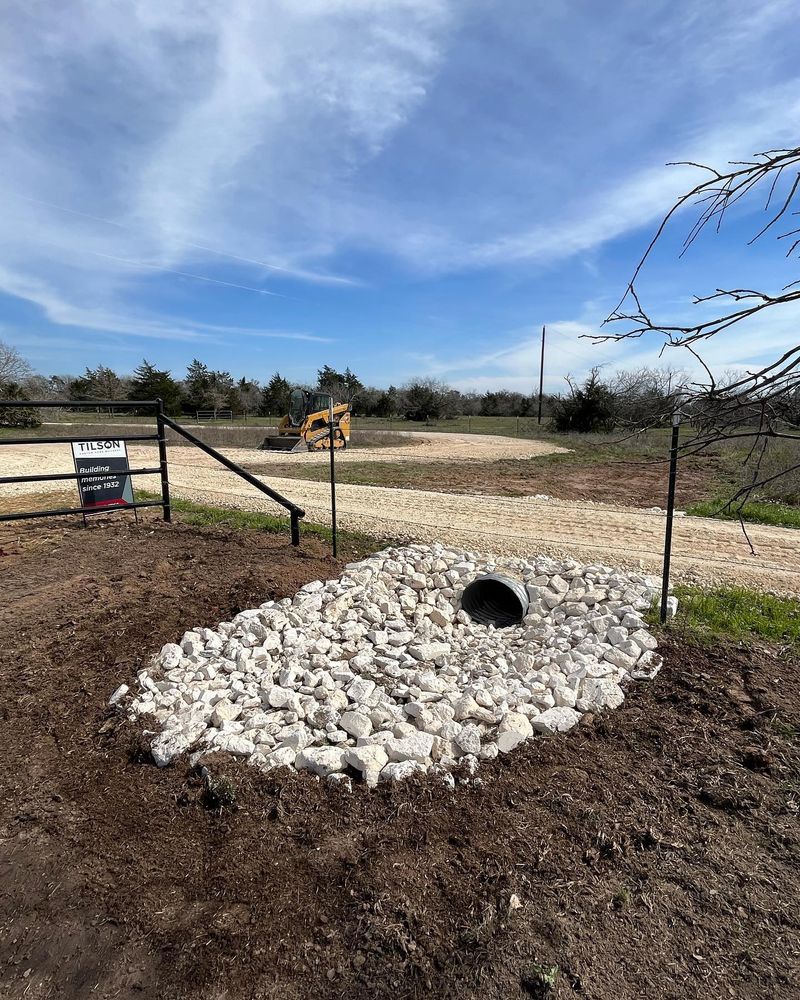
(735, 613)
(352, 544)
(753, 512)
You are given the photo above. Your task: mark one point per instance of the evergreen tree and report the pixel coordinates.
(590, 407)
(98, 383)
(206, 389)
(149, 382)
(196, 385)
(275, 397)
(343, 386)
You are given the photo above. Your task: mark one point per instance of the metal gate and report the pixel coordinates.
(162, 422)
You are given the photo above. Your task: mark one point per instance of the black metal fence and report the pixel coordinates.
(162, 469)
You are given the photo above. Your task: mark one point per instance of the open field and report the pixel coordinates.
(631, 470)
(506, 426)
(703, 549)
(654, 851)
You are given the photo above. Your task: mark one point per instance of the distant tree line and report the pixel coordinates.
(624, 399)
(204, 388)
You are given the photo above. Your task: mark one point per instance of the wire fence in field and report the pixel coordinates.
(506, 426)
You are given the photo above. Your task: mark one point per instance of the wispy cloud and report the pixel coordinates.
(189, 142)
(215, 172)
(63, 313)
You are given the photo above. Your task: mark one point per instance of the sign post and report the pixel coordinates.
(103, 470)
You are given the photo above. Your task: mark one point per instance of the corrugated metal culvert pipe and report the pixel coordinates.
(496, 600)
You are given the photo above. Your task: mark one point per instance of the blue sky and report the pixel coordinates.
(407, 187)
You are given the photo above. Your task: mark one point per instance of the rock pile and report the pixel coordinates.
(379, 672)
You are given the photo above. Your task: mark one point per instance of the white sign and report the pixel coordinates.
(94, 449)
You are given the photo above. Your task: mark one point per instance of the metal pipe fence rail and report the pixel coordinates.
(155, 405)
(295, 512)
(162, 422)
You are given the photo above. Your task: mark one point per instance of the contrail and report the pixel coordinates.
(299, 273)
(168, 270)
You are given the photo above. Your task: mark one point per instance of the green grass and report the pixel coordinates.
(735, 613)
(753, 512)
(352, 544)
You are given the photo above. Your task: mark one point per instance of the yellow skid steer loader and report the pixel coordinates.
(305, 426)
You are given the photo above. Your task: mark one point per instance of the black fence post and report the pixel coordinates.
(673, 472)
(294, 521)
(162, 459)
(331, 428)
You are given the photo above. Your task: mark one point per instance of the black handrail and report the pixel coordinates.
(69, 438)
(53, 477)
(78, 404)
(63, 511)
(295, 512)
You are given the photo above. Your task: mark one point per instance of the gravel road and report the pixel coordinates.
(425, 447)
(703, 550)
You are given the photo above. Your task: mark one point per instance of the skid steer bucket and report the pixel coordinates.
(283, 442)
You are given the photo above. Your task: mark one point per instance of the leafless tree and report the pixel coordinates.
(645, 396)
(13, 367)
(757, 404)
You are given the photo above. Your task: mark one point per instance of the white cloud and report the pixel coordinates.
(570, 350)
(154, 152)
(192, 141)
(64, 313)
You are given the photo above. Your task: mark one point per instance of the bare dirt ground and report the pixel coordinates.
(704, 550)
(655, 851)
(629, 483)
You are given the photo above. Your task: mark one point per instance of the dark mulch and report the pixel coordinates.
(655, 851)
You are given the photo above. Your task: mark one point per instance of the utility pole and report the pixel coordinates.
(541, 378)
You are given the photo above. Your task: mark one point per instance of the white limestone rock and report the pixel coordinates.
(398, 770)
(321, 760)
(602, 692)
(173, 742)
(118, 695)
(384, 661)
(429, 650)
(233, 743)
(356, 724)
(468, 739)
(416, 746)
(556, 720)
(513, 730)
(369, 760)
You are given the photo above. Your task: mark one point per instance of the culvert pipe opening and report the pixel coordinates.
(496, 600)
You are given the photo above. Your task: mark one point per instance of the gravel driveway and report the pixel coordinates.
(704, 550)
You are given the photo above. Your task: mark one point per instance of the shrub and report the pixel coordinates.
(24, 416)
(587, 408)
